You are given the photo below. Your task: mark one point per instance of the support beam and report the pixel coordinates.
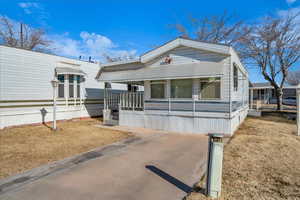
(298, 110)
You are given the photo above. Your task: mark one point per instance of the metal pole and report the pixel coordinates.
(251, 98)
(298, 110)
(54, 108)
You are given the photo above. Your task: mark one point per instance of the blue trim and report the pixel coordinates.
(178, 101)
(217, 111)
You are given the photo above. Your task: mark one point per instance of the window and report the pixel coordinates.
(181, 88)
(157, 89)
(78, 86)
(235, 78)
(61, 86)
(210, 88)
(71, 86)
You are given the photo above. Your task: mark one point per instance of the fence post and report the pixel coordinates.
(169, 104)
(298, 110)
(194, 106)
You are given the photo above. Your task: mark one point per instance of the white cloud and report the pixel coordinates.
(89, 44)
(28, 7)
(290, 1)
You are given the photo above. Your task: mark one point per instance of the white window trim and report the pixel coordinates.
(209, 99)
(235, 66)
(66, 89)
(182, 99)
(164, 82)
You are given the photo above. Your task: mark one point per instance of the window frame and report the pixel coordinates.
(206, 80)
(66, 84)
(235, 77)
(182, 98)
(78, 86)
(157, 82)
(71, 84)
(63, 84)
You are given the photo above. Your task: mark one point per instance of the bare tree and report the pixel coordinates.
(293, 77)
(216, 29)
(22, 36)
(273, 47)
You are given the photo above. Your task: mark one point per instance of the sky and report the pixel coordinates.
(127, 28)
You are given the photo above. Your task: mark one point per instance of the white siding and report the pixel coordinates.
(26, 91)
(243, 82)
(186, 55)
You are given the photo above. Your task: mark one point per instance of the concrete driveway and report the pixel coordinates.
(156, 166)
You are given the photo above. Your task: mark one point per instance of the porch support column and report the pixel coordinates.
(251, 98)
(298, 110)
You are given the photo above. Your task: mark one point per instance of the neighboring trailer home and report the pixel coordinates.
(26, 94)
(189, 86)
(266, 92)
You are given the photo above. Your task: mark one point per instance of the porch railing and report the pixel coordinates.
(111, 100)
(132, 101)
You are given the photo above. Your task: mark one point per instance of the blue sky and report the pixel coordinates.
(126, 27)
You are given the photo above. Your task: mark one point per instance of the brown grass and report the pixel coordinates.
(262, 161)
(26, 147)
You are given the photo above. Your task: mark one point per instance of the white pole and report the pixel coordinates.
(251, 98)
(54, 108)
(298, 110)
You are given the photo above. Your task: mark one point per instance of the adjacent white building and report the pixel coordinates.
(189, 86)
(26, 94)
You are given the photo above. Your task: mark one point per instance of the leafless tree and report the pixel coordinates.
(293, 77)
(273, 47)
(216, 29)
(22, 35)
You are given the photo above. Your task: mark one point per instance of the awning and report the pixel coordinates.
(69, 70)
(192, 70)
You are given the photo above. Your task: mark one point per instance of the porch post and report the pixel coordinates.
(298, 110)
(251, 98)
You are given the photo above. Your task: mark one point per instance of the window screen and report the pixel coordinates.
(181, 88)
(235, 78)
(210, 88)
(71, 86)
(61, 86)
(157, 89)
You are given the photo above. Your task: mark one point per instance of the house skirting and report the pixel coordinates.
(187, 122)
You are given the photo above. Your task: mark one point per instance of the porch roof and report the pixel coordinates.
(171, 71)
(267, 85)
(69, 70)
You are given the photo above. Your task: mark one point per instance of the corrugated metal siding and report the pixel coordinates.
(176, 123)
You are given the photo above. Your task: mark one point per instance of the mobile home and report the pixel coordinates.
(26, 94)
(189, 86)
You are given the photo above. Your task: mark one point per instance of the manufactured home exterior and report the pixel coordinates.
(189, 86)
(26, 94)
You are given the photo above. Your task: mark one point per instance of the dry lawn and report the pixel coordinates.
(26, 147)
(262, 161)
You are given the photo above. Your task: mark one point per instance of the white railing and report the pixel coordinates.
(111, 100)
(132, 101)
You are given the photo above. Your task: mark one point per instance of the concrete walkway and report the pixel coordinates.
(157, 166)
